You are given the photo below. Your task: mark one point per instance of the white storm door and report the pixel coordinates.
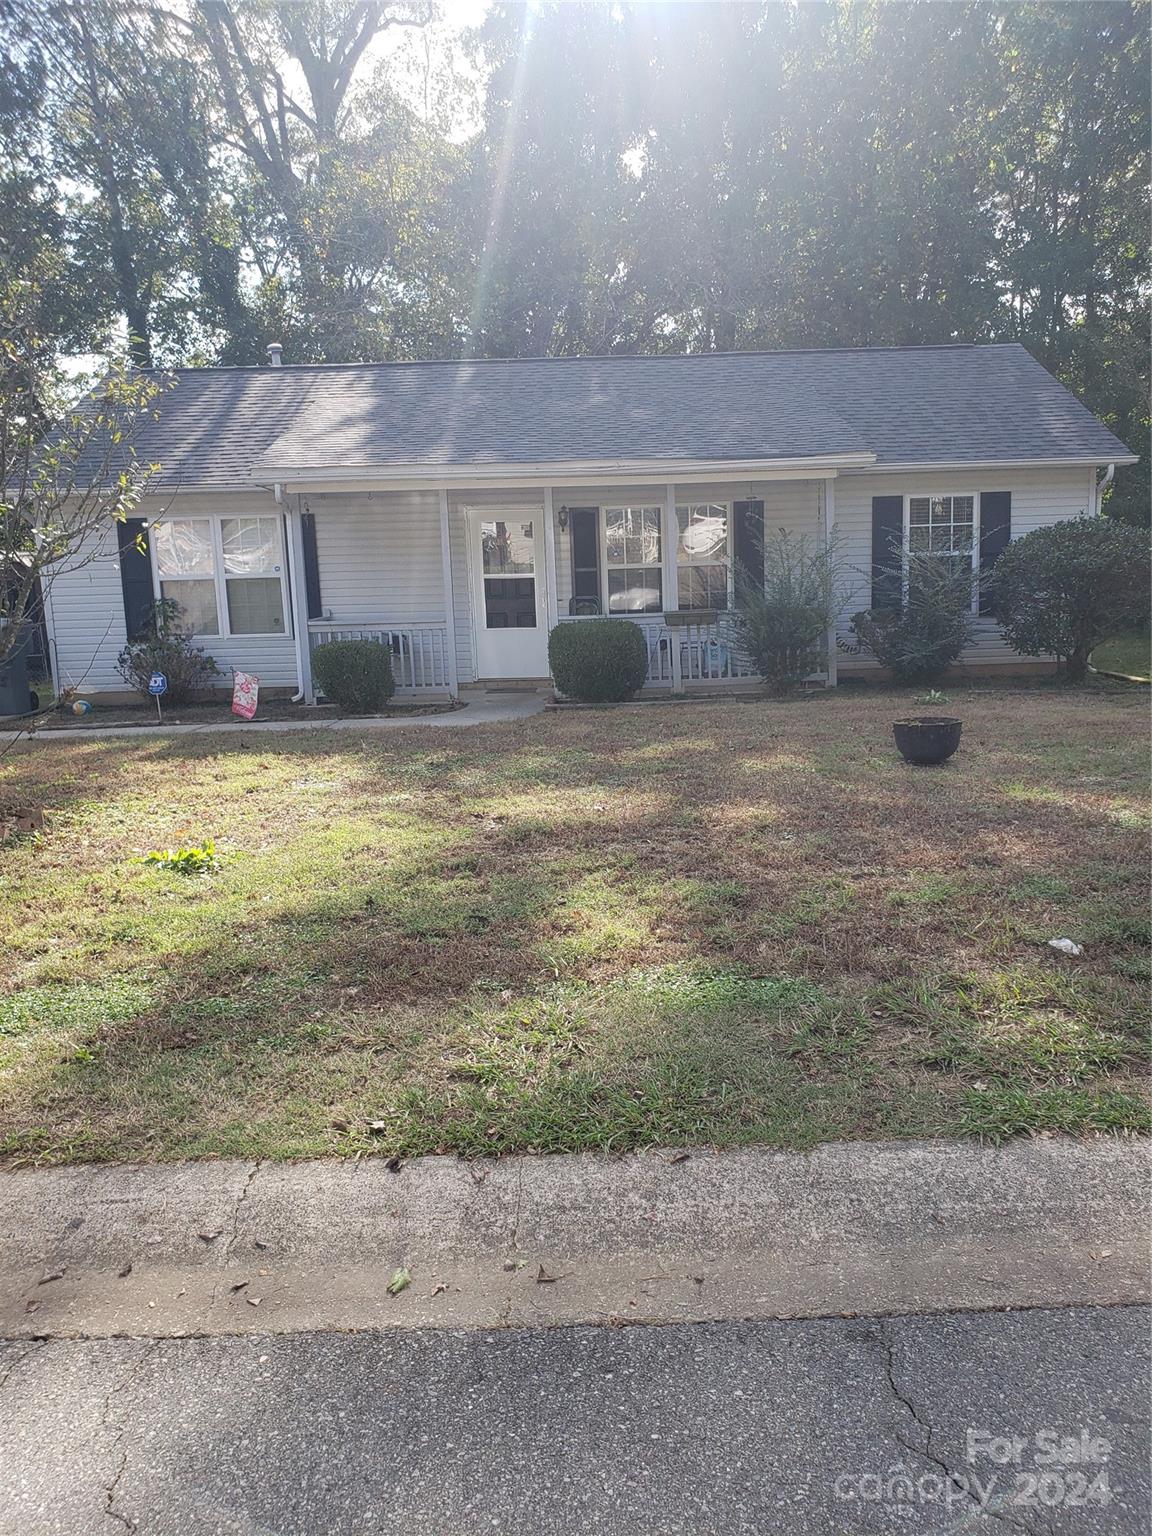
(506, 552)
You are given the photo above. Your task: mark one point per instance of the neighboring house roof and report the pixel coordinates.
(904, 405)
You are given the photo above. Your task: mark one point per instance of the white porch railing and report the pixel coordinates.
(419, 651)
(685, 655)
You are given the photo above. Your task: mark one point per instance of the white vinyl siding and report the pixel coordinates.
(86, 612)
(1039, 497)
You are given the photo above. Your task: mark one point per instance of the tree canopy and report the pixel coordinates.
(361, 180)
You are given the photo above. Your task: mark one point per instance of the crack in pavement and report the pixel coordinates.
(33, 1346)
(957, 1480)
(240, 1199)
(110, 1489)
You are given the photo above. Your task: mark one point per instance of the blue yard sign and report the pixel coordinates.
(157, 684)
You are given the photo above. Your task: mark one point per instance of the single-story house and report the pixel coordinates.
(457, 511)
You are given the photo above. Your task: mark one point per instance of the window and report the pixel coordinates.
(508, 554)
(941, 525)
(703, 558)
(632, 559)
(227, 574)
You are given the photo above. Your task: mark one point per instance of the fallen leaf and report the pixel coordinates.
(544, 1278)
(400, 1281)
(681, 1157)
(50, 1274)
(438, 1287)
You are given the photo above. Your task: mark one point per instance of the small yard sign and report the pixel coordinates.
(245, 694)
(157, 684)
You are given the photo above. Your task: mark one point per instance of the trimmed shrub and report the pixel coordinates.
(783, 624)
(355, 675)
(1060, 590)
(598, 661)
(921, 642)
(169, 650)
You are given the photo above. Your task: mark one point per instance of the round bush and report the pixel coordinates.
(1062, 589)
(598, 661)
(355, 675)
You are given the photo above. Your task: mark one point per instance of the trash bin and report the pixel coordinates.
(15, 694)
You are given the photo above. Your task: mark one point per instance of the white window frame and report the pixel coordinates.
(689, 565)
(912, 496)
(658, 565)
(219, 575)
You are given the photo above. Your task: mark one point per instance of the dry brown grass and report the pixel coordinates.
(716, 920)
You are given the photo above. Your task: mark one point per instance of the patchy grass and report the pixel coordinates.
(725, 922)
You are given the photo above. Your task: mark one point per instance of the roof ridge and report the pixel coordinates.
(591, 357)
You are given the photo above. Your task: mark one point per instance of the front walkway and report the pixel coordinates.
(481, 711)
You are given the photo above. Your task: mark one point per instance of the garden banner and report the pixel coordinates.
(245, 694)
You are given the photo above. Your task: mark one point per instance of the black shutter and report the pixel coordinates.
(135, 575)
(887, 553)
(311, 565)
(995, 532)
(584, 533)
(748, 543)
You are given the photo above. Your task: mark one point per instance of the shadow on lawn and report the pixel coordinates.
(490, 945)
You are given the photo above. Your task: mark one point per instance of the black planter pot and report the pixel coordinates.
(927, 739)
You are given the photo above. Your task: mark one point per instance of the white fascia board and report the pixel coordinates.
(968, 465)
(567, 472)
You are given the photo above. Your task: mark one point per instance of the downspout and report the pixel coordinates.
(294, 575)
(1102, 486)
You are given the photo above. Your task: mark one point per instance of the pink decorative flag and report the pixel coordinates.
(245, 694)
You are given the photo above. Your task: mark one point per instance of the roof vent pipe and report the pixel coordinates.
(274, 350)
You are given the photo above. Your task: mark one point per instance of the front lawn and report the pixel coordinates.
(714, 922)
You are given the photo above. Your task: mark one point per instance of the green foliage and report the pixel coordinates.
(598, 661)
(194, 860)
(355, 675)
(170, 650)
(1060, 590)
(783, 625)
(921, 642)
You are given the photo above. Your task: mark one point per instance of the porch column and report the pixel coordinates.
(669, 539)
(299, 596)
(449, 602)
(829, 535)
(551, 590)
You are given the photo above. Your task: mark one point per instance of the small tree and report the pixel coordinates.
(782, 625)
(1060, 590)
(66, 471)
(920, 641)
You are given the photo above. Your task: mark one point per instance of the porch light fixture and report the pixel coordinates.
(562, 519)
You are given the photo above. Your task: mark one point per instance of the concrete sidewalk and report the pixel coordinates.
(880, 1228)
(481, 710)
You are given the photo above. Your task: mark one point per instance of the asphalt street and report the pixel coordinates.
(1030, 1421)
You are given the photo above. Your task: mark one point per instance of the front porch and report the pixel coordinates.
(463, 585)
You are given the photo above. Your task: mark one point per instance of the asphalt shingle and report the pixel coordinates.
(952, 404)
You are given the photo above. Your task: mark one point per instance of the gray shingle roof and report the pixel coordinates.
(953, 404)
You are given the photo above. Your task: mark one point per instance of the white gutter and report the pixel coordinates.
(990, 464)
(563, 472)
(1100, 486)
